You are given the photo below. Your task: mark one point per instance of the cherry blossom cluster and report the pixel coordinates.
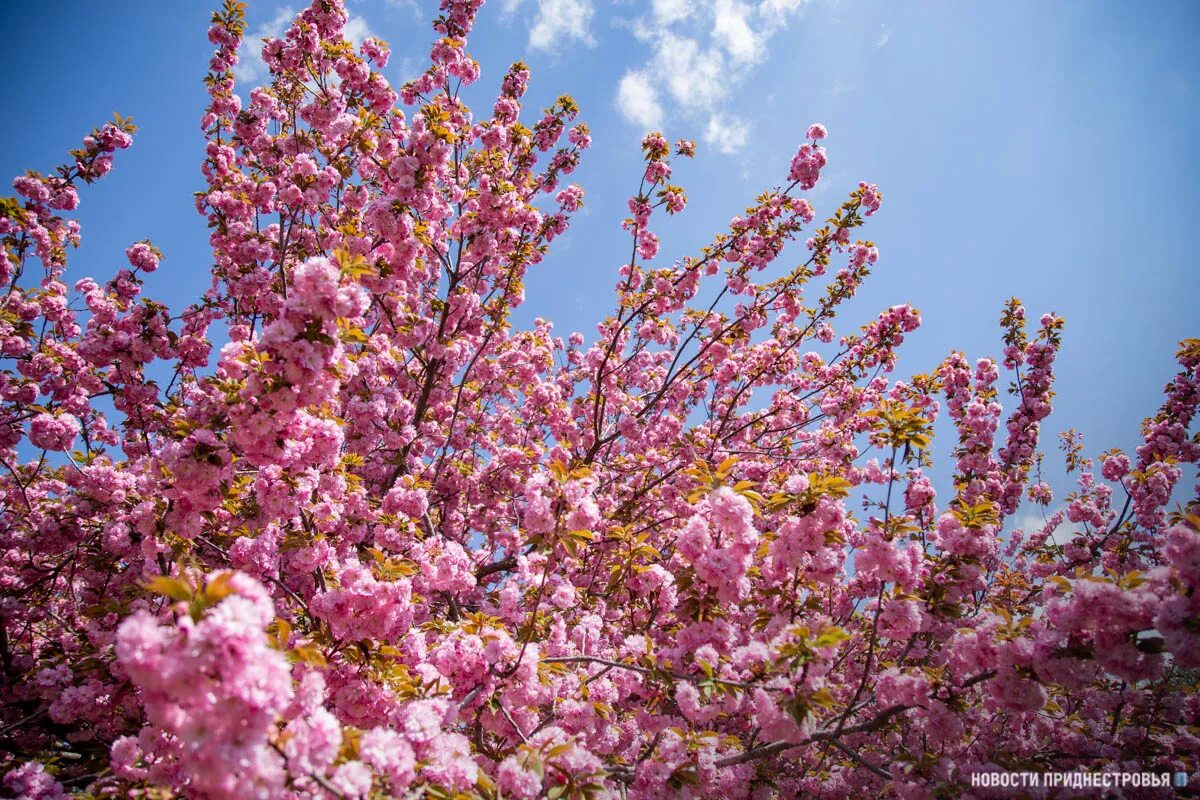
(379, 541)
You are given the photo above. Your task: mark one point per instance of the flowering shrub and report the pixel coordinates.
(383, 543)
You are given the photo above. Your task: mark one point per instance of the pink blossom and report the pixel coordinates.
(696, 553)
(142, 256)
(54, 432)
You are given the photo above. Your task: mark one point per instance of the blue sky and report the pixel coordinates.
(1038, 149)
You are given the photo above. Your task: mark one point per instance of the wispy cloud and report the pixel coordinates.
(357, 30)
(557, 23)
(726, 134)
(700, 53)
(731, 30)
(884, 38)
(668, 11)
(250, 66)
(638, 100)
(1032, 522)
(411, 6)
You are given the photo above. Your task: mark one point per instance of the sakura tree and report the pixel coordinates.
(383, 543)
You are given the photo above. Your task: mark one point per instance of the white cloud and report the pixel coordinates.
(1033, 522)
(701, 53)
(776, 12)
(638, 102)
(696, 77)
(884, 38)
(733, 32)
(251, 66)
(357, 30)
(410, 68)
(559, 22)
(412, 6)
(726, 133)
(668, 11)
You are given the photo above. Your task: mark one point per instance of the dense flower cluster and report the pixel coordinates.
(383, 543)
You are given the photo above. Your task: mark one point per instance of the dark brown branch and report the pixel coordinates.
(503, 565)
(774, 748)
